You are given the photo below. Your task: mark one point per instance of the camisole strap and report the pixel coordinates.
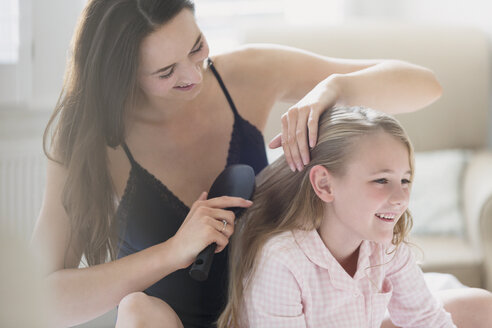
(128, 153)
(222, 85)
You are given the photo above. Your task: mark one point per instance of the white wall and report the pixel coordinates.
(52, 28)
(470, 12)
(51, 25)
(474, 13)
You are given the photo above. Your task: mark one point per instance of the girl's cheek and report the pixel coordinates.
(380, 195)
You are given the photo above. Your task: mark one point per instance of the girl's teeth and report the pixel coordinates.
(384, 216)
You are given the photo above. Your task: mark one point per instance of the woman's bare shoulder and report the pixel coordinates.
(252, 83)
(246, 62)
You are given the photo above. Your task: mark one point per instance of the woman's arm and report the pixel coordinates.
(81, 294)
(392, 86)
(317, 83)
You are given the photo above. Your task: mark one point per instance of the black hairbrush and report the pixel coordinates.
(237, 180)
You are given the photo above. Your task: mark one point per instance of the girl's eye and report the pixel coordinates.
(200, 47)
(406, 181)
(381, 181)
(168, 75)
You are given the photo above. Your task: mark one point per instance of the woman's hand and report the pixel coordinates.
(205, 225)
(300, 124)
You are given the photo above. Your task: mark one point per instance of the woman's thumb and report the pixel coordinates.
(203, 196)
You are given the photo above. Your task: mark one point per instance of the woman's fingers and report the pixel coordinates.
(293, 116)
(301, 134)
(300, 124)
(296, 125)
(312, 125)
(221, 242)
(217, 214)
(205, 225)
(203, 196)
(196, 204)
(276, 141)
(285, 142)
(222, 226)
(219, 233)
(225, 202)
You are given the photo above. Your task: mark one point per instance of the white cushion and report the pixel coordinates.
(435, 202)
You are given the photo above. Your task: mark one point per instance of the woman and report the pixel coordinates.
(144, 124)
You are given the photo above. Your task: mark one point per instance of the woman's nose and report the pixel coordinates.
(192, 73)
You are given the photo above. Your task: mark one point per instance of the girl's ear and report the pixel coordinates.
(321, 181)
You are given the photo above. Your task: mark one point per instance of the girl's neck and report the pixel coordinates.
(343, 246)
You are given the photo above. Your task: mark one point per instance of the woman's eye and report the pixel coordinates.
(168, 75)
(381, 181)
(406, 181)
(200, 47)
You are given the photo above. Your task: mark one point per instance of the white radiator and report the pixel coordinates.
(22, 180)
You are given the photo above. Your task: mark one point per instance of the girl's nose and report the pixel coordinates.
(399, 196)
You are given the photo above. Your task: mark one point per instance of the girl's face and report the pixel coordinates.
(171, 60)
(374, 192)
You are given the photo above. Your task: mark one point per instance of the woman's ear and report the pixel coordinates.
(321, 181)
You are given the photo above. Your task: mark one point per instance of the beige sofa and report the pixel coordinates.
(460, 57)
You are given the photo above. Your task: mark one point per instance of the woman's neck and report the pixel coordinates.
(159, 113)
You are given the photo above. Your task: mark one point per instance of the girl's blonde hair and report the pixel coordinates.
(286, 201)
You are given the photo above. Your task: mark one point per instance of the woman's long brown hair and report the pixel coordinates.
(99, 87)
(285, 201)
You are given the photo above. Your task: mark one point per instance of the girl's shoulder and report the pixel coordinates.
(402, 251)
(282, 247)
(281, 242)
(396, 258)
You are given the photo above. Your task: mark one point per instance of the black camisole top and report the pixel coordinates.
(149, 213)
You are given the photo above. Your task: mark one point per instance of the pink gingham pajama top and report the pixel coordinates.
(298, 283)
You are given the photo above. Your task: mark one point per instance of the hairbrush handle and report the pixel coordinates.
(238, 181)
(201, 267)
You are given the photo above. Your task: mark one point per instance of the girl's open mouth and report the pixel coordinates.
(386, 217)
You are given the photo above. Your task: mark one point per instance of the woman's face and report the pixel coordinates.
(374, 192)
(171, 60)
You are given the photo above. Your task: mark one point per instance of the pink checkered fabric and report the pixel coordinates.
(298, 283)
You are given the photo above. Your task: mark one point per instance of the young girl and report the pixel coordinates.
(325, 247)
